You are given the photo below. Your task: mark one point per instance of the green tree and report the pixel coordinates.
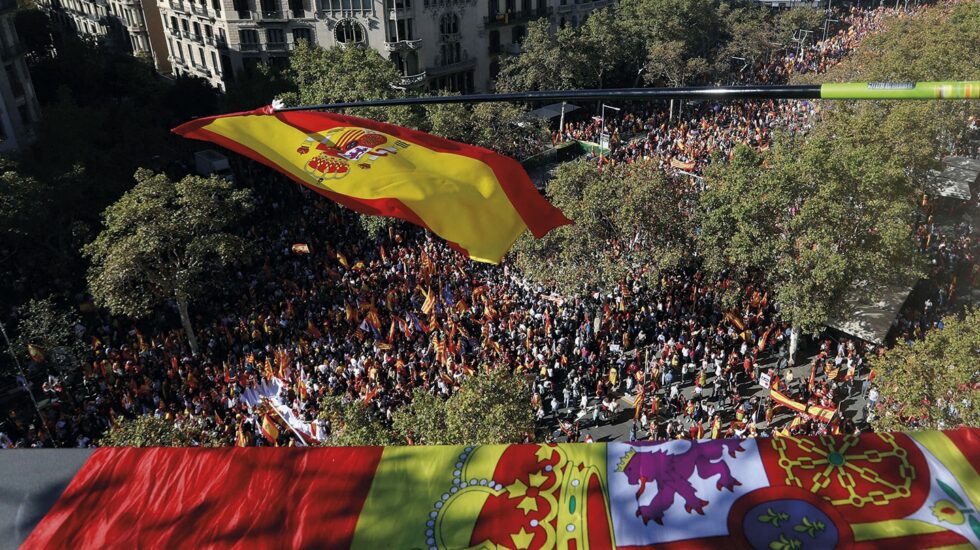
(502, 127)
(691, 28)
(937, 45)
(492, 407)
(750, 35)
(352, 425)
(50, 328)
(423, 420)
(151, 431)
(547, 61)
(145, 431)
(626, 216)
(667, 62)
(792, 20)
(931, 384)
(815, 219)
(605, 45)
(166, 241)
(323, 75)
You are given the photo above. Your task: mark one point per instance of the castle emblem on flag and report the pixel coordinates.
(335, 150)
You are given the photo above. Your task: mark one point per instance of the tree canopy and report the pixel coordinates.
(814, 217)
(625, 217)
(166, 241)
(932, 384)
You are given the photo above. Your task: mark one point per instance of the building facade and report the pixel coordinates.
(132, 26)
(436, 44)
(19, 110)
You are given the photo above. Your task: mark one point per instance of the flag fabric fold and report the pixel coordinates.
(477, 200)
(873, 490)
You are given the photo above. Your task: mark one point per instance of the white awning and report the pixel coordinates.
(958, 176)
(871, 318)
(553, 110)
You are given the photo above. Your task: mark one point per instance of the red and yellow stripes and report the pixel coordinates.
(476, 199)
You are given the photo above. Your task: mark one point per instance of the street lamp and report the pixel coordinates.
(603, 136)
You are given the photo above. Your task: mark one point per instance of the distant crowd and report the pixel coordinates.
(371, 323)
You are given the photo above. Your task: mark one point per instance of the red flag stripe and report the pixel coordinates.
(214, 498)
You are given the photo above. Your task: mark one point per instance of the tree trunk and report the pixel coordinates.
(794, 343)
(185, 320)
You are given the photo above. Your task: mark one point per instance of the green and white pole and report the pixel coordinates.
(945, 90)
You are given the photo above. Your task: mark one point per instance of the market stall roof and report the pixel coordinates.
(553, 110)
(870, 312)
(958, 176)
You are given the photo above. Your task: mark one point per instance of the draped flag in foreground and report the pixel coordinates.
(886, 490)
(476, 199)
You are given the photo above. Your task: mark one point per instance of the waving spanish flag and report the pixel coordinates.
(476, 199)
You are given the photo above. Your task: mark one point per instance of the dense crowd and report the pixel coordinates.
(372, 323)
(705, 129)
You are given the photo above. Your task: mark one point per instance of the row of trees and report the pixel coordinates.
(664, 42)
(491, 407)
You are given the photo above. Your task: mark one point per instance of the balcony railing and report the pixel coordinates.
(450, 37)
(199, 38)
(215, 41)
(409, 81)
(198, 9)
(403, 45)
(276, 47)
(523, 16)
(274, 15)
(177, 5)
(244, 15)
(462, 64)
(250, 47)
(177, 61)
(175, 33)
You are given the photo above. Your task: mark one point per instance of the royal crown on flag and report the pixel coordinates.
(545, 501)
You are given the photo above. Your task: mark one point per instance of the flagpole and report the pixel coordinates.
(27, 384)
(845, 91)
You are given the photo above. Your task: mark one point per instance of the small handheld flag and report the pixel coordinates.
(478, 200)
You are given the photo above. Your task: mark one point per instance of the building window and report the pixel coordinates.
(303, 34)
(248, 36)
(449, 24)
(276, 37)
(349, 32)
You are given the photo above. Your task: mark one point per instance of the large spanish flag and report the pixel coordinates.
(860, 492)
(476, 199)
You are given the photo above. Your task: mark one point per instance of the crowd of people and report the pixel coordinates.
(688, 138)
(371, 323)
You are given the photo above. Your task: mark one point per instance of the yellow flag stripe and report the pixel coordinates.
(950, 455)
(893, 528)
(442, 189)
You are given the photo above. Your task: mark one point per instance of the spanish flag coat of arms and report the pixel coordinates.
(478, 200)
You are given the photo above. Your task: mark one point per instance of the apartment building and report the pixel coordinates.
(19, 110)
(436, 44)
